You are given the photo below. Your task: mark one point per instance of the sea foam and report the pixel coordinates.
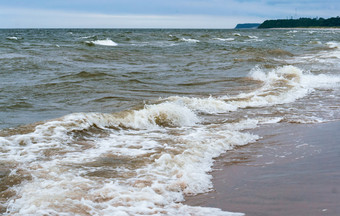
(178, 162)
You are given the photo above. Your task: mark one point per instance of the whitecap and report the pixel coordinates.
(106, 42)
(86, 37)
(282, 85)
(190, 40)
(292, 32)
(225, 39)
(314, 42)
(333, 45)
(209, 105)
(12, 38)
(252, 37)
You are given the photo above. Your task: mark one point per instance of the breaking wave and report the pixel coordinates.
(190, 40)
(281, 85)
(106, 42)
(225, 39)
(12, 38)
(149, 158)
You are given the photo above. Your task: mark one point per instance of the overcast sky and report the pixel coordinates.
(156, 13)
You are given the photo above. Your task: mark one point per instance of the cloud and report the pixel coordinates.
(156, 13)
(39, 18)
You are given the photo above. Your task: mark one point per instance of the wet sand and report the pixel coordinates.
(293, 170)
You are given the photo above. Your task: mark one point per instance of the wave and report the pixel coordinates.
(141, 161)
(252, 37)
(281, 85)
(284, 85)
(12, 38)
(225, 39)
(279, 52)
(209, 105)
(335, 53)
(329, 54)
(63, 163)
(292, 32)
(106, 42)
(190, 40)
(333, 45)
(86, 74)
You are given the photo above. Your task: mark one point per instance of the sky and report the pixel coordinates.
(156, 13)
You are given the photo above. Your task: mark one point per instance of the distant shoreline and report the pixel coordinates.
(302, 23)
(305, 28)
(308, 28)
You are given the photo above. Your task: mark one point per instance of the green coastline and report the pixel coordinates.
(333, 22)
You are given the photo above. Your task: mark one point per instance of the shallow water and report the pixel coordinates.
(292, 170)
(128, 122)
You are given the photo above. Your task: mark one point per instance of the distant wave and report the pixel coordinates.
(333, 44)
(252, 37)
(190, 40)
(12, 38)
(106, 42)
(225, 39)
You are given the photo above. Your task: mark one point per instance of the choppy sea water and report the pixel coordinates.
(128, 122)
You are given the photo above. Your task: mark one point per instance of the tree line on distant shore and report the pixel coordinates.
(301, 23)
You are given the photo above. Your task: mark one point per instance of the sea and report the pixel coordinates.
(130, 121)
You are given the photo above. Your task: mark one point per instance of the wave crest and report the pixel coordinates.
(106, 42)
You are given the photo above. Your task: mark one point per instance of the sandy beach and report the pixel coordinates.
(292, 170)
